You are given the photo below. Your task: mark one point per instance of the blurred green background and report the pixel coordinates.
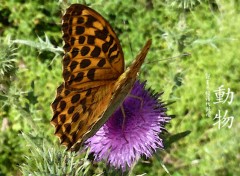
(208, 30)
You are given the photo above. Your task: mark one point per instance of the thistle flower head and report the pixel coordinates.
(133, 130)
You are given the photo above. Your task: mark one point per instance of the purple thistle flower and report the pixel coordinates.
(121, 142)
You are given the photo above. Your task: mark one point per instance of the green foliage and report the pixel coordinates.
(42, 45)
(12, 151)
(46, 160)
(8, 54)
(185, 4)
(30, 72)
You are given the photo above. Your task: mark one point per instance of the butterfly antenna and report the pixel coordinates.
(129, 41)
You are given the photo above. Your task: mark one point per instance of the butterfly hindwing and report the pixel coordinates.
(76, 112)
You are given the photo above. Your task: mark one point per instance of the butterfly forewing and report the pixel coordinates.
(93, 55)
(120, 90)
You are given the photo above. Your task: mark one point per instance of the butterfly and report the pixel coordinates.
(95, 80)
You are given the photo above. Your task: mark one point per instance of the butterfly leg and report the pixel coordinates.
(138, 98)
(141, 101)
(124, 119)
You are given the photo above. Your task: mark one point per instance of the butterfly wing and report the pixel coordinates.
(93, 54)
(76, 112)
(92, 63)
(94, 84)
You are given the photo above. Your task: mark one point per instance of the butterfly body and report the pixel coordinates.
(95, 82)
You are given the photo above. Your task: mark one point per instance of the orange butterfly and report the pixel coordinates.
(95, 83)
